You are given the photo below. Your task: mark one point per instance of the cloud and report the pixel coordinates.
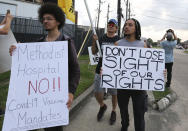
(155, 16)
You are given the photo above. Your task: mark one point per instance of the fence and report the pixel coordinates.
(29, 30)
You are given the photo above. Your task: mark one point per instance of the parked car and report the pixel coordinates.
(179, 47)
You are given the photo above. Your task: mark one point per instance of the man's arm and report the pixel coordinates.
(175, 37)
(4, 20)
(94, 46)
(163, 37)
(74, 71)
(7, 24)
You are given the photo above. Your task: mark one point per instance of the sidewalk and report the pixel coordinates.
(85, 118)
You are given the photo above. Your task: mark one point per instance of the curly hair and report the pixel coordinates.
(53, 9)
(137, 28)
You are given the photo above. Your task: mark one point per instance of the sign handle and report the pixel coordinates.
(94, 31)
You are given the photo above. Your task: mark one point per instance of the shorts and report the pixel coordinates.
(99, 89)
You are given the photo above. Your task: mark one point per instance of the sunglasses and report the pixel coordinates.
(111, 25)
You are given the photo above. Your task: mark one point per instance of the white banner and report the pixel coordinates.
(38, 89)
(133, 68)
(94, 59)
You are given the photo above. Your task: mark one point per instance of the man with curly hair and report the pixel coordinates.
(53, 19)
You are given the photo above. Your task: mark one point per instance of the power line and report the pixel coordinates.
(164, 19)
(162, 4)
(167, 15)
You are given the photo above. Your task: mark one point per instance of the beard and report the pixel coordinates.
(47, 29)
(127, 35)
(109, 31)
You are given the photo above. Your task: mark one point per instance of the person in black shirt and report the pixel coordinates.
(107, 39)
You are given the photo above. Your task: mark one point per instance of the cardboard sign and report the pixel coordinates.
(38, 89)
(94, 59)
(133, 68)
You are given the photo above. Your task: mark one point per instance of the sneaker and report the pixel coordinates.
(101, 112)
(113, 118)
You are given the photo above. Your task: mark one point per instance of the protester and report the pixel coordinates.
(168, 45)
(107, 39)
(7, 23)
(148, 44)
(132, 34)
(53, 19)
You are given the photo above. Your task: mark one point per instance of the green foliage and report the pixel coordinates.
(178, 40)
(150, 40)
(154, 44)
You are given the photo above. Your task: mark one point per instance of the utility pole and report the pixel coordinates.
(129, 10)
(99, 11)
(108, 13)
(119, 12)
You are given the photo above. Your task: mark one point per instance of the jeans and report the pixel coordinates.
(168, 66)
(139, 100)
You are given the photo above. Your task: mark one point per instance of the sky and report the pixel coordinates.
(155, 16)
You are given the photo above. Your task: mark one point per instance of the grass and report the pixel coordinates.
(4, 76)
(86, 80)
(157, 47)
(159, 94)
(87, 75)
(1, 122)
(4, 88)
(3, 95)
(84, 57)
(186, 52)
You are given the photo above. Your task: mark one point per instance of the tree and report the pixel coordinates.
(178, 41)
(150, 40)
